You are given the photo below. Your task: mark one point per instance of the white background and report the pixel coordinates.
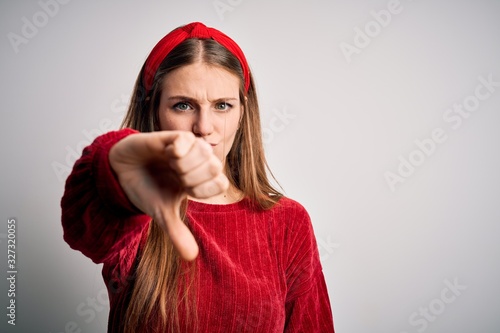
(389, 253)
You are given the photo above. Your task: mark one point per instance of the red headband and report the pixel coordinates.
(177, 36)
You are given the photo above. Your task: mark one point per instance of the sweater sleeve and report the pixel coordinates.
(97, 217)
(307, 305)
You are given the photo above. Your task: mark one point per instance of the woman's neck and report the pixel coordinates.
(230, 196)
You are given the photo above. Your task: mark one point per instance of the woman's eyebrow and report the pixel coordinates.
(190, 99)
(177, 97)
(223, 99)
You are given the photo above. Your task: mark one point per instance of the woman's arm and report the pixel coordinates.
(311, 311)
(307, 305)
(97, 217)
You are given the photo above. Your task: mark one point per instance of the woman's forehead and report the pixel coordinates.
(203, 80)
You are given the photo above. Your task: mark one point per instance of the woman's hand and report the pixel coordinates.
(158, 170)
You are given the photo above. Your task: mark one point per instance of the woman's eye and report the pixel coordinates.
(223, 106)
(181, 106)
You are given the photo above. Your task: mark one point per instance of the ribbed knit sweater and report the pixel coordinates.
(257, 271)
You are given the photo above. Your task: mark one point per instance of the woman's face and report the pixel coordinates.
(202, 99)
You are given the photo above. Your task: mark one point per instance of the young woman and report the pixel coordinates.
(178, 207)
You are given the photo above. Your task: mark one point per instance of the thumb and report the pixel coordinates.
(180, 235)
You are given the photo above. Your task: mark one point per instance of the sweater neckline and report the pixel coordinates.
(207, 207)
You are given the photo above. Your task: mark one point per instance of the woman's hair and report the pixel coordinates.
(163, 282)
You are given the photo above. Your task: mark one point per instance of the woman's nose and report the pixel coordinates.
(203, 125)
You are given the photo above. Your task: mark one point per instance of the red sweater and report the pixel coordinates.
(258, 271)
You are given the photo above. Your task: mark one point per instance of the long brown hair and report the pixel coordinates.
(163, 282)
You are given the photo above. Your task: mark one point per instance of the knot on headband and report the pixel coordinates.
(177, 36)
